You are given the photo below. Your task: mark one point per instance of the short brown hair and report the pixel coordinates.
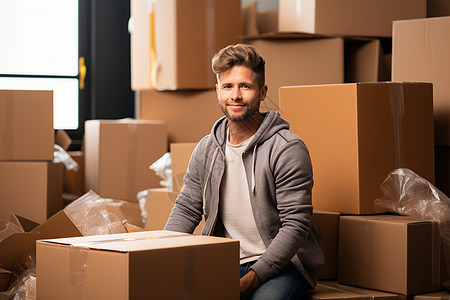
(240, 55)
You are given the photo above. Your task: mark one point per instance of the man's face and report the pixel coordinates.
(239, 94)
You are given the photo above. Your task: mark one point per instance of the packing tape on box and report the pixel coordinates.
(79, 254)
(7, 132)
(397, 107)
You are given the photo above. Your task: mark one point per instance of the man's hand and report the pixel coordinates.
(248, 284)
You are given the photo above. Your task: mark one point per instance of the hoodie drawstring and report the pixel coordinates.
(209, 175)
(253, 169)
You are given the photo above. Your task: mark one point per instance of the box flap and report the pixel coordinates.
(16, 248)
(63, 139)
(24, 223)
(58, 226)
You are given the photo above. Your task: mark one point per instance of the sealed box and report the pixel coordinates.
(118, 154)
(181, 154)
(141, 265)
(73, 180)
(311, 61)
(27, 125)
(173, 41)
(390, 253)
(357, 134)
(32, 189)
(158, 206)
(179, 108)
(327, 223)
(420, 53)
(349, 17)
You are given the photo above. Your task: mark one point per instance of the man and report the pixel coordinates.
(252, 179)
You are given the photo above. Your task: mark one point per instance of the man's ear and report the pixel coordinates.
(263, 93)
(217, 90)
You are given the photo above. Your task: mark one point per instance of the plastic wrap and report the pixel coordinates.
(7, 228)
(406, 193)
(24, 287)
(163, 168)
(60, 155)
(90, 215)
(142, 198)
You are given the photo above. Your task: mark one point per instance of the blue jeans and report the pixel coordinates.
(286, 285)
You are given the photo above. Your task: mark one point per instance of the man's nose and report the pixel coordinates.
(236, 94)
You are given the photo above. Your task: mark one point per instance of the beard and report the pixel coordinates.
(244, 115)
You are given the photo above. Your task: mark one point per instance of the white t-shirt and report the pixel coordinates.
(236, 211)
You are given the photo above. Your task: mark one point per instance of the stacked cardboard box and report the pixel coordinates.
(30, 183)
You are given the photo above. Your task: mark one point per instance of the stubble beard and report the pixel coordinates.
(247, 113)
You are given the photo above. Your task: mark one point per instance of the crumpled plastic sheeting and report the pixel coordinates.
(406, 193)
(7, 228)
(90, 215)
(163, 168)
(61, 155)
(24, 287)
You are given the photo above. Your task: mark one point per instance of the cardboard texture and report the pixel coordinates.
(349, 17)
(332, 290)
(27, 125)
(118, 154)
(328, 225)
(364, 61)
(443, 295)
(158, 205)
(32, 189)
(390, 253)
(181, 154)
(117, 267)
(125, 210)
(311, 61)
(190, 115)
(173, 41)
(73, 181)
(420, 53)
(357, 134)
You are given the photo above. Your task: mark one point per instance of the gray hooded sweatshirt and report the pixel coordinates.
(279, 178)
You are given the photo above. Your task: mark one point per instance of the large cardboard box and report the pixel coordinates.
(420, 53)
(438, 8)
(190, 115)
(331, 290)
(32, 189)
(26, 125)
(349, 17)
(357, 134)
(181, 154)
(141, 265)
(118, 154)
(299, 62)
(390, 253)
(158, 206)
(173, 41)
(328, 225)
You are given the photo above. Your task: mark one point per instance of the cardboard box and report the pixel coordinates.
(365, 61)
(357, 134)
(332, 290)
(73, 181)
(148, 264)
(181, 154)
(328, 225)
(190, 115)
(158, 206)
(173, 41)
(27, 125)
(32, 189)
(299, 62)
(390, 253)
(349, 17)
(443, 295)
(118, 154)
(438, 8)
(442, 166)
(420, 53)
(125, 210)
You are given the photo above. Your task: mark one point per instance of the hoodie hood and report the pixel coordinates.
(271, 124)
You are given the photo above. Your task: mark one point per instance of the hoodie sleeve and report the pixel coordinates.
(293, 181)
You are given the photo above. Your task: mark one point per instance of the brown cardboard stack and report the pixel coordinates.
(118, 154)
(30, 183)
(142, 265)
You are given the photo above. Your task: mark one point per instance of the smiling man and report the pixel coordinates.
(251, 178)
